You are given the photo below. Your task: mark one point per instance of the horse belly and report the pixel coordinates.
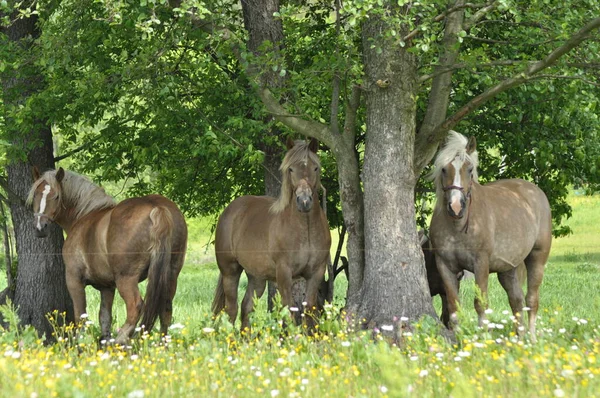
(87, 262)
(256, 263)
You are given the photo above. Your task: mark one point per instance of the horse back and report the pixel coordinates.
(522, 209)
(116, 242)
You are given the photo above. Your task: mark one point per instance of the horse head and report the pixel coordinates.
(456, 169)
(45, 199)
(303, 172)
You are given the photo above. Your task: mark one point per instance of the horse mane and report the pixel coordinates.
(456, 145)
(300, 152)
(74, 191)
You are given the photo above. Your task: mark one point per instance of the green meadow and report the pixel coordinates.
(207, 357)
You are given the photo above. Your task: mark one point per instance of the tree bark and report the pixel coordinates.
(394, 283)
(40, 286)
(8, 258)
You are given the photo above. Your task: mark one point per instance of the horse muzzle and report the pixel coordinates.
(41, 233)
(304, 202)
(40, 225)
(456, 209)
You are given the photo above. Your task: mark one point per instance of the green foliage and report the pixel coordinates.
(13, 331)
(156, 101)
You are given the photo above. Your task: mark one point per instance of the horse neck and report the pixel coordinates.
(66, 218)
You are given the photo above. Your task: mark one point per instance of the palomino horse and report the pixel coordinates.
(488, 228)
(112, 245)
(275, 239)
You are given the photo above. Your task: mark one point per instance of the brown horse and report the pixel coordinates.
(275, 239)
(112, 245)
(488, 228)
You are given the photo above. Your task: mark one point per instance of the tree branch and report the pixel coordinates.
(463, 65)
(482, 12)
(570, 77)
(305, 127)
(76, 150)
(440, 17)
(335, 92)
(439, 96)
(351, 112)
(584, 33)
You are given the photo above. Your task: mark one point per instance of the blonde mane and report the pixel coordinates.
(300, 152)
(74, 191)
(456, 145)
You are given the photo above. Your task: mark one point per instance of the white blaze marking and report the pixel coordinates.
(455, 194)
(42, 206)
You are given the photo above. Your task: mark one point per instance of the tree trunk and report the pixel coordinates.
(351, 196)
(40, 286)
(8, 258)
(394, 283)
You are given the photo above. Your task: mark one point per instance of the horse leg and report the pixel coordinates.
(231, 281)
(535, 262)
(445, 316)
(255, 285)
(482, 274)
(313, 281)
(451, 286)
(76, 289)
(128, 289)
(284, 284)
(107, 296)
(511, 284)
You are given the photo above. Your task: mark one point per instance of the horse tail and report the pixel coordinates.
(219, 300)
(158, 297)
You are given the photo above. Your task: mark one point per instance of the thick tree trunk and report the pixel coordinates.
(40, 282)
(394, 283)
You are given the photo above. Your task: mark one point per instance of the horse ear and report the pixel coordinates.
(35, 172)
(313, 145)
(60, 174)
(471, 145)
(289, 143)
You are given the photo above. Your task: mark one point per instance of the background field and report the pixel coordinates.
(208, 358)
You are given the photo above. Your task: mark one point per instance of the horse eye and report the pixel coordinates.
(290, 170)
(316, 168)
(443, 170)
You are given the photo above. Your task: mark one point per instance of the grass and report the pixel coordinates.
(207, 358)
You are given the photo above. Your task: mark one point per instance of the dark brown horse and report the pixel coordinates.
(112, 245)
(488, 228)
(275, 239)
